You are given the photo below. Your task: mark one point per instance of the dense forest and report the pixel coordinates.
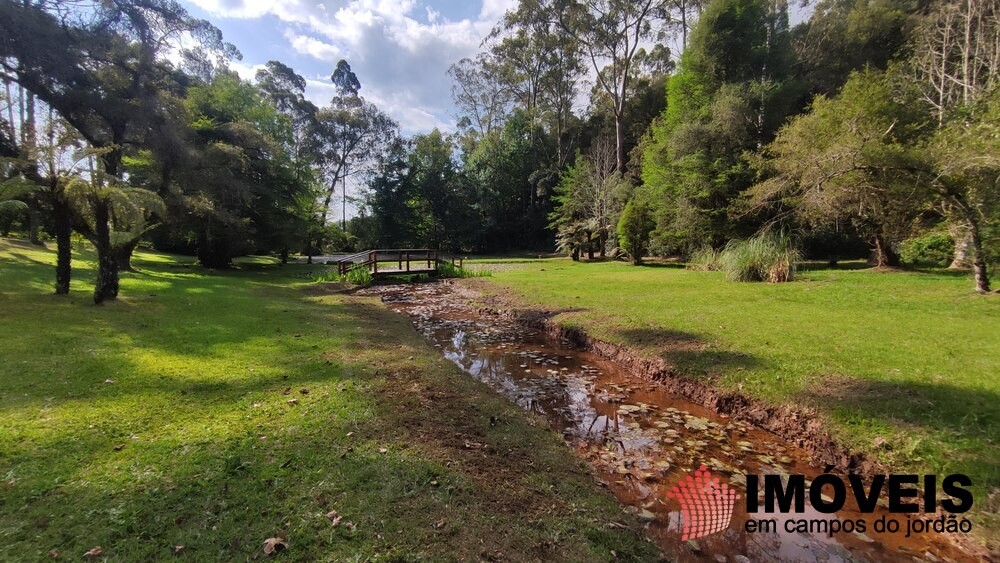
(601, 128)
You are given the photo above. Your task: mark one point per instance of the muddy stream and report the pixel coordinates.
(642, 440)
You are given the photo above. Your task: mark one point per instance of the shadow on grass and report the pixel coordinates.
(952, 413)
(847, 265)
(670, 265)
(689, 353)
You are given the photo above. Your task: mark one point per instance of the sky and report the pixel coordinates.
(399, 49)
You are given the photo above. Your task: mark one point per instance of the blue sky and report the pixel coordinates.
(400, 49)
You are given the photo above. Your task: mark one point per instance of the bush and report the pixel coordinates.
(768, 258)
(359, 275)
(931, 249)
(705, 259)
(634, 227)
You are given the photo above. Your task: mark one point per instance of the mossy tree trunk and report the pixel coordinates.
(62, 220)
(106, 287)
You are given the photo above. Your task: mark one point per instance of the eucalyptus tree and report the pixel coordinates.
(541, 64)
(350, 133)
(481, 95)
(610, 34)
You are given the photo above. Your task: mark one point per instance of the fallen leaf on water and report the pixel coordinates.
(274, 545)
(95, 552)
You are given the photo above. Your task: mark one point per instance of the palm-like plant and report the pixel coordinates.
(10, 190)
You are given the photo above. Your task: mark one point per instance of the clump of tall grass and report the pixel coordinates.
(705, 259)
(766, 257)
(449, 270)
(357, 275)
(326, 276)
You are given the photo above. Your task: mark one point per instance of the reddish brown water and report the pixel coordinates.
(643, 440)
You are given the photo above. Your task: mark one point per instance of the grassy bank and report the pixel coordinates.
(215, 410)
(905, 366)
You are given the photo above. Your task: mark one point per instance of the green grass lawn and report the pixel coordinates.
(908, 361)
(215, 410)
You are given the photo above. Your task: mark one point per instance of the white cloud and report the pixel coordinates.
(313, 47)
(400, 61)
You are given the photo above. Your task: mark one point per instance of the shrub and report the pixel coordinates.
(766, 257)
(634, 227)
(931, 249)
(705, 259)
(359, 275)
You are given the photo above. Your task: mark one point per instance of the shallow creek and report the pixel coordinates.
(642, 440)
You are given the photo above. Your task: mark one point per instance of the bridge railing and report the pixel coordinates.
(406, 260)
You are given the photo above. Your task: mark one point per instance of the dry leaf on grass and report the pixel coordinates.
(293, 401)
(274, 545)
(178, 548)
(54, 554)
(333, 517)
(95, 552)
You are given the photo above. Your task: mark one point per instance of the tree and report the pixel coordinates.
(590, 197)
(106, 81)
(843, 36)
(480, 96)
(851, 158)
(634, 227)
(239, 191)
(350, 134)
(541, 64)
(956, 62)
(732, 92)
(966, 152)
(440, 195)
(610, 32)
(513, 191)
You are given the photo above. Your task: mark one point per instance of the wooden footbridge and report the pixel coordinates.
(394, 262)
